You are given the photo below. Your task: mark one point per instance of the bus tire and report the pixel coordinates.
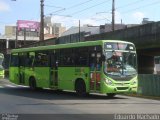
(32, 83)
(111, 95)
(80, 88)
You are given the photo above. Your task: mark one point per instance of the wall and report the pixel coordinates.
(149, 85)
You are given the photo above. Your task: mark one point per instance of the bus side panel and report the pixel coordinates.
(84, 73)
(66, 76)
(28, 73)
(1, 74)
(42, 76)
(14, 75)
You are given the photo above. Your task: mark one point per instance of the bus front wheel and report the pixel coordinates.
(111, 95)
(80, 88)
(32, 84)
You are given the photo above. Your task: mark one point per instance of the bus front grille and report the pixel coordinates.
(122, 88)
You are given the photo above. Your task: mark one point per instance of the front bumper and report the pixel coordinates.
(119, 89)
(1, 74)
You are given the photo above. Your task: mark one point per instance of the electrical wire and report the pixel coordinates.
(130, 4)
(127, 11)
(79, 4)
(90, 7)
(151, 4)
(71, 7)
(52, 6)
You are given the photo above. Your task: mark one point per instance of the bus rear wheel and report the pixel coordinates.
(111, 95)
(80, 88)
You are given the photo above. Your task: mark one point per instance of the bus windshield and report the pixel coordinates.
(1, 58)
(1, 61)
(120, 63)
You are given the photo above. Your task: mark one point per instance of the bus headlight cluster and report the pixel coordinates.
(134, 82)
(109, 82)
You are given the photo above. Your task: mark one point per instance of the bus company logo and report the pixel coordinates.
(122, 84)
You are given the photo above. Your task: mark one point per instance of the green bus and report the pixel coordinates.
(1, 65)
(103, 66)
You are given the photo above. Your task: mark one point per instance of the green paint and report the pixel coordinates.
(67, 76)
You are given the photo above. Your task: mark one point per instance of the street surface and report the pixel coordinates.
(21, 100)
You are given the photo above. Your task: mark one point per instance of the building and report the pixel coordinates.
(88, 29)
(52, 30)
(146, 21)
(24, 28)
(24, 32)
(10, 31)
(108, 27)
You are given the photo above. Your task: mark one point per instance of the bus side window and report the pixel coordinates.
(66, 57)
(42, 59)
(14, 61)
(30, 59)
(81, 56)
(22, 59)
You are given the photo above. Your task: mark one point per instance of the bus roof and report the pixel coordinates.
(67, 45)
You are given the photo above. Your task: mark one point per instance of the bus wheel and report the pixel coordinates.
(80, 88)
(111, 95)
(32, 84)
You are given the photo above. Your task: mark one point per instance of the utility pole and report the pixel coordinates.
(16, 40)
(79, 30)
(113, 14)
(24, 36)
(42, 21)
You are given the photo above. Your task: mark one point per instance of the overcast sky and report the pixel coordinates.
(69, 12)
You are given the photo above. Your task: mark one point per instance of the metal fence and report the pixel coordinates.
(149, 84)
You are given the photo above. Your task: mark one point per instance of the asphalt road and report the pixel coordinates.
(21, 100)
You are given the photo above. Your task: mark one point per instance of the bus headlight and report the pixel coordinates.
(109, 82)
(134, 82)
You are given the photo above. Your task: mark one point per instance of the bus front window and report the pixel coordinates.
(120, 63)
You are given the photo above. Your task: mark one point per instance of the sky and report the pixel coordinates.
(69, 12)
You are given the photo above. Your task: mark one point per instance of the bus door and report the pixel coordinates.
(95, 70)
(54, 69)
(21, 68)
(29, 65)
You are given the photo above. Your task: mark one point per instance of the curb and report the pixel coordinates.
(143, 96)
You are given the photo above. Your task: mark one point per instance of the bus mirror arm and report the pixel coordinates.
(103, 58)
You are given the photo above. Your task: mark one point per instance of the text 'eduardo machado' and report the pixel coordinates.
(137, 117)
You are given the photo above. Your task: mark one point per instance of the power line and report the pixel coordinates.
(49, 2)
(61, 15)
(124, 6)
(132, 3)
(79, 4)
(134, 8)
(90, 7)
(157, 2)
(52, 6)
(71, 7)
(56, 11)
